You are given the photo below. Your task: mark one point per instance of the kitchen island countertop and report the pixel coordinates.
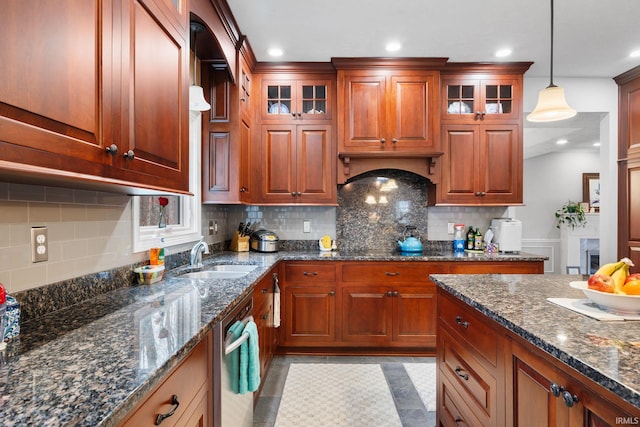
(85, 365)
(606, 352)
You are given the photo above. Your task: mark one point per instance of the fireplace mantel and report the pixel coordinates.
(570, 250)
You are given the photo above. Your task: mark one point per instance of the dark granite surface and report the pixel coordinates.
(606, 352)
(89, 363)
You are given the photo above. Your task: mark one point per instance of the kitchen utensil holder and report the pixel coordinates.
(239, 243)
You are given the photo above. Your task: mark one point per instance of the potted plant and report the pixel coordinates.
(571, 214)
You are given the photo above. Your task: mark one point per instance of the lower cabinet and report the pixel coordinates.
(183, 398)
(369, 304)
(263, 302)
(488, 376)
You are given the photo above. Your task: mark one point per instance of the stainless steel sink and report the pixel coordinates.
(221, 271)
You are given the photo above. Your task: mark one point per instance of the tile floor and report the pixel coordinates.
(410, 408)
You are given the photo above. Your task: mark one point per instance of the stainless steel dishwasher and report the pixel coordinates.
(230, 409)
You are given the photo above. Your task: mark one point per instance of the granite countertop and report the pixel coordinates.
(604, 351)
(89, 364)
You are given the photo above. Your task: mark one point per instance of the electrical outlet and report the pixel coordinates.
(450, 229)
(306, 226)
(39, 244)
(213, 227)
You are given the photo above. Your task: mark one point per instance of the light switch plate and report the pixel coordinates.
(306, 226)
(39, 244)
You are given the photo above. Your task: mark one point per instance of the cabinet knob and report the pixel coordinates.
(569, 399)
(458, 420)
(299, 114)
(265, 316)
(264, 290)
(555, 389)
(396, 293)
(293, 115)
(461, 322)
(332, 293)
(129, 155)
(243, 189)
(383, 140)
(161, 417)
(112, 149)
(394, 140)
(293, 194)
(483, 193)
(298, 194)
(389, 293)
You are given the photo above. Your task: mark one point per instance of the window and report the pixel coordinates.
(183, 225)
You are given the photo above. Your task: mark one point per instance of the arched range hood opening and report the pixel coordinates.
(353, 165)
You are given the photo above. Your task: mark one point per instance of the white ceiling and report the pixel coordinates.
(592, 38)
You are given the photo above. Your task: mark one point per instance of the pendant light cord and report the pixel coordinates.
(551, 50)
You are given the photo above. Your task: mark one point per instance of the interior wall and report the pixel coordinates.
(550, 181)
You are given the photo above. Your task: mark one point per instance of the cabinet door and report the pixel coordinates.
(315, 163)
(414, 315)
(57, 87)
(500, 99)
(277, 157)
(309, 315)
(500, 164)
(471, 100)
(412, 108)
(367, 315)
(363, 122)
(629, 213)
(157, 112)
(459, 183)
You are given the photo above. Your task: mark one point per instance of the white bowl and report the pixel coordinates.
(610, 302)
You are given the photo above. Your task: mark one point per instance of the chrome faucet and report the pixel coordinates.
(198, 249)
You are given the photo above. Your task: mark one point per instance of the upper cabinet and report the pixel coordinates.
(306, 98)
(388, 110)
(79, 99)
(481, 128)
(489, 98)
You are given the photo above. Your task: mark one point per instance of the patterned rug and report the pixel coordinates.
(350, 395)
(423, 377)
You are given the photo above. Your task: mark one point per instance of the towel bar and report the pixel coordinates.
(229, 346)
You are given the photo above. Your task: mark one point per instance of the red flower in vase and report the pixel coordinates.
(163, 201)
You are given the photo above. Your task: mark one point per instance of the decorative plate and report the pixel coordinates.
(278, 108)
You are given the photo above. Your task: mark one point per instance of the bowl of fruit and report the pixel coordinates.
(613, 288)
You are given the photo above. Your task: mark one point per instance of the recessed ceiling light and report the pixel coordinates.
(503, 53)
(275, 51)
(635, 54)
(561, 141)
(596, 144)
(393, 46)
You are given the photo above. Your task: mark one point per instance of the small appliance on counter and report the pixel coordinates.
(264, 241)
(507, 234)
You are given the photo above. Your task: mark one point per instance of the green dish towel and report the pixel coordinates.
(249, 380)
(233, 359)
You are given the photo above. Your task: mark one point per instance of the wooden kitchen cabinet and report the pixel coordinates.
(388, 111)
(190, 384)
(309, 302)
(117, 130)
(481, 117)
(481, 165)
(263, 301)
(297, 164)
(546, 394)
(629, 166)
(299, 98)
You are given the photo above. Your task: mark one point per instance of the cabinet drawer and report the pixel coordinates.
(384, 272)
(453, 411)
(470, 327)
(320, 272)
(476, 385)
(185, 382)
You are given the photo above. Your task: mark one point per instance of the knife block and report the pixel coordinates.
(239, 243)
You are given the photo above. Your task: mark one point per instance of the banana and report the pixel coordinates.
(611, 267)
(619, 276)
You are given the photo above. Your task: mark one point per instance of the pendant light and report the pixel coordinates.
(196, 93)
(552, 105)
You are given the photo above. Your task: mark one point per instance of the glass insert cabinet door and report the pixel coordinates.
(296, 99)
(479, 99)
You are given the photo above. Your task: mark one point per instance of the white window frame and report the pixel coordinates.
(189, 229)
